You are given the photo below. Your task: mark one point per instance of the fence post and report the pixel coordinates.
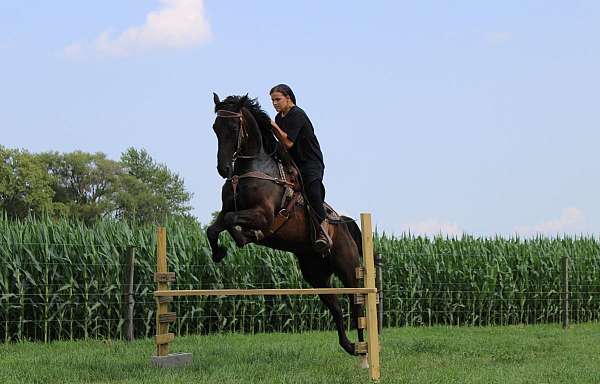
(565, 291)
(164, 317)
(162, 327)
(372, 329)
(129, 302)
(379, 284)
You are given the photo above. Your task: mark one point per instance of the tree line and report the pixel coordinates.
(89, 186)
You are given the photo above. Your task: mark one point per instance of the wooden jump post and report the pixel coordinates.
(164, 296)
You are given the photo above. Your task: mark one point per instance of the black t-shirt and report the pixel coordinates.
(306, 150)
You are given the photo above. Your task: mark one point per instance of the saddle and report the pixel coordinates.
(297, 198)
(294, 197)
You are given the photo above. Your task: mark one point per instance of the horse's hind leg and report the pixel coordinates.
(357, 310)
(317, 273)
(349, 280)
(332, 303)
(345, 260)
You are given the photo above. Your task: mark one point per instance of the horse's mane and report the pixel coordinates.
(263, 120)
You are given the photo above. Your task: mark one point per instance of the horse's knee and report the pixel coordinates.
(238, 236)
(249, 219)
(229, 219)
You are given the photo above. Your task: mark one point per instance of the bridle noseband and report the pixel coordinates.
(242, 134)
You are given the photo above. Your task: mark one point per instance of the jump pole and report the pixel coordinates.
(164, 296)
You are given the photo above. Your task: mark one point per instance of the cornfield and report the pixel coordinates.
(64, 280)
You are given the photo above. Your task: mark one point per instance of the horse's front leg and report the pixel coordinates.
(212, 232)
(247, 225)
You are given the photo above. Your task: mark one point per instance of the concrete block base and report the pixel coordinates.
(172, 360)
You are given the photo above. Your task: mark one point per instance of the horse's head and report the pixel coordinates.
(241, 128)
(230, 131)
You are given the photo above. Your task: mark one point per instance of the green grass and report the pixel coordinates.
(513, 354)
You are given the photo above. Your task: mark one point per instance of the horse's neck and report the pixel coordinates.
(255, 142)
(262, 162)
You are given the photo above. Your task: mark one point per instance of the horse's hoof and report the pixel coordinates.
(219, 254)
(363, 361)
(258, 234)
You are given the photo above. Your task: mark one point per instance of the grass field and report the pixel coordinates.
(514, 354)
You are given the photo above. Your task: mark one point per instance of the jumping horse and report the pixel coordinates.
(262, 203)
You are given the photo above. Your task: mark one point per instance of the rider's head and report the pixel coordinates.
(283, 98)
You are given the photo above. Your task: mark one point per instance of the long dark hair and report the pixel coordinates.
(285, 91)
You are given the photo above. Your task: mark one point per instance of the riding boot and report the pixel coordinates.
(323, 241)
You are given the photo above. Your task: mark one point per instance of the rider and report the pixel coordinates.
(294, 130)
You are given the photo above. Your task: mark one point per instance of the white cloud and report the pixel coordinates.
(432, 227)
(570, 221)
(176, 24)
(498, 37)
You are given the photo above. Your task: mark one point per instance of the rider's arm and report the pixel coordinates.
(281, 136)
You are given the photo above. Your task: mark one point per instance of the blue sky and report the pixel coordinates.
(435, 116)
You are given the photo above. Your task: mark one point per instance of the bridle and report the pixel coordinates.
(242, 135)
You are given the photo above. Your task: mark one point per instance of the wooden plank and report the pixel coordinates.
(362, 323)
(360, 273)
(164, 277)
(361, 347)
(165, 299)
(359, 299)
(372, 330)
(263, 292)
(164, 339)
(168, 317)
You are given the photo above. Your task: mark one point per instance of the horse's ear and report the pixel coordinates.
(216, 98)
(242, 101)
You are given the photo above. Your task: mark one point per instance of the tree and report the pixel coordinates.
(82, 182)
(25, 186)
(134, 201)
(152, 192)
(89, 186)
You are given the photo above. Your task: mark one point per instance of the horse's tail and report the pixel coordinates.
(354, 232)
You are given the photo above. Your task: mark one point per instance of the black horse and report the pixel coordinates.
(263, 204)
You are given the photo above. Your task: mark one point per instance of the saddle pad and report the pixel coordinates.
(331, 213)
